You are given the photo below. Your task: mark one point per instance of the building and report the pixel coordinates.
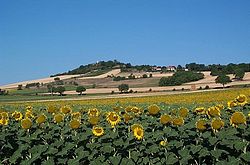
(171, 68)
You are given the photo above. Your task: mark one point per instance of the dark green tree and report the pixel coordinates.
(80, 89)
(239, 74)
(51, 89)
(60, 90)
(223, 79)
(123, 88)
(20, 87)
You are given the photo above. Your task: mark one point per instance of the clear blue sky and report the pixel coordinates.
(43, 37)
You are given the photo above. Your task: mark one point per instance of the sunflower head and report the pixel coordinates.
(178, 121)
(113, 118)
(26, 123)
(17, 115)
(4, 121)
(66, 109)
(52, 109)
(74, 124)
(231, 104)
(136, 110)
(41, 119)
(136, 126)
(117, 109)
(220, 106)
(128, 109)
(76, 115)
(183, 112)
(30, 108)
(237, 118)
(213, 112)
(4, 115)
(29, 114)
(127, 117)
(163, 143)
(200, 110)
(138, 133)
(217, 124)
(94, 120)
(153, 109)
(98, 131)
(201, 125)
(165, 119)
(241, 100)
(58, 118)
(93, 112)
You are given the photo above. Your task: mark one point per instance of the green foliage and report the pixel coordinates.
(80, 89)
(180, 77)
(53, 143)
(60, 90)
(223, 79)
(239, 74)
(20, 87)
(123, 88)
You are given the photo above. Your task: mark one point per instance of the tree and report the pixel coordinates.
(20, 87)
(223, 79)
(60, 90)
(239, 74)
(80, 89)
(144, 76)
(51, 89)
(123, 88)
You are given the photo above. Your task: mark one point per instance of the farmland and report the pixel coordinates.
(193, 128)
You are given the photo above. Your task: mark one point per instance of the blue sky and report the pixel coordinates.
(40, 38)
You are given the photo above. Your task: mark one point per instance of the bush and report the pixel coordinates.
(80, 89)
(144, 76)
(123, 88)
(112, 92)
(119, 78)
(131, 91)
(206, 87)
(180, 77)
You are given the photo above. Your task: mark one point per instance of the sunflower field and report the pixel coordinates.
(145, 133)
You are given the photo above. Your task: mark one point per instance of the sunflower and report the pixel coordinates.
(4, 121)
(165, 119)
(76, 115)
(65, 109)
(4, 115)
(17, 115)
(201, 125)
(213, 112)
(117, 109)
(163, 143)
(74, 124)
(138, 133)
(136, 110)
(153, 109)
(41, 119)
(220, 106)
(231, 104)
(241, 100)
(52, 109)
(26, 123)
(58, 118)
(128, 109)
(178, 121)
(113, 118)
(200, 110)
(183, 112)
(29, 114)
(134, 126)
(238, 118)
(94, 120)
(216, 124)
(127, 117)
(97, 131)
(30, 108)
(93, 112)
